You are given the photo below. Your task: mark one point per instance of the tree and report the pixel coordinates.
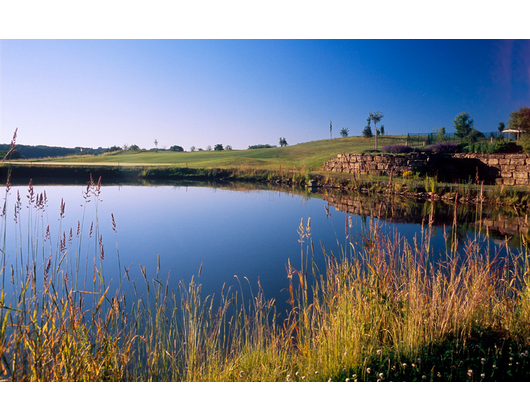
(501, 129)
(228, 147)
(382, 130)
(156, 144)
(192, 148)
(440, 134)
(344, 132)
(134, 147)
(176, 148)
(209, 148)
(463, 125)
(218, 147)
(283, 142)
(376, 116)
(520, 120)
(367, 132)
(10, 155)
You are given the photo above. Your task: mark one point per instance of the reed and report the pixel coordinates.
(380, 309)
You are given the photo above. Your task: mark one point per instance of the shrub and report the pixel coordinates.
(443, 148)
(498, 147)
(397, 148)
(261, 146)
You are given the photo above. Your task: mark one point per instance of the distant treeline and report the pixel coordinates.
(261, 146)
(35, 152)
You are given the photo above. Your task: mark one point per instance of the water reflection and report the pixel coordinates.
(218, 233)
(499, 222)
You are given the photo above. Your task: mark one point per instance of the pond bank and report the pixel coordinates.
(426, 189)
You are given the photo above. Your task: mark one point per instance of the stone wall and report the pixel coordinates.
(383, 164)
(513, 169)
(502, 169)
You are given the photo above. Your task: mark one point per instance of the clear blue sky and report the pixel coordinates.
(244, 92)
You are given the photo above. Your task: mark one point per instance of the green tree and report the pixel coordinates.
(463, 125)
(218, 147)
(376, 116)
(520, 120)
(228, 147)
(367, 132)
(13, 155)
(176, 148)
(501, 129)
(382, 130)
(192, 148)
(440, 134)
(344, 132)
(283, 142)
(134, 147)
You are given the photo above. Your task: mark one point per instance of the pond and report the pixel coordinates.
(237, 235)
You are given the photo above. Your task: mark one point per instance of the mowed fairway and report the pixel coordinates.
(310, 156)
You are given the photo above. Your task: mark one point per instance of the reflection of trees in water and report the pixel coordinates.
(499, 222)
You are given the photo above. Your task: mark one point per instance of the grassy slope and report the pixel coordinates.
(310, 155)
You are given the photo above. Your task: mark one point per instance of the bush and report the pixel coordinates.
(261, 146)
(397, 148)
(176, 149)
(498, 147)
(444, 148)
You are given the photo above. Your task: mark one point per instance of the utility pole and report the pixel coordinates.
(330, 129)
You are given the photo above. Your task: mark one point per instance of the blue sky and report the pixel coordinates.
(244, 92)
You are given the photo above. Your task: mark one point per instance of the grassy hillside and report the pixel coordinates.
(310, 155)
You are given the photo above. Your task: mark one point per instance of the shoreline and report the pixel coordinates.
(413, 189)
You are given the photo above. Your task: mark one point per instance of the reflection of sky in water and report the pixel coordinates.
(232, 233)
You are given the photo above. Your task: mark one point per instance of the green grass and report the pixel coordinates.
(310, 155)
(381, 310)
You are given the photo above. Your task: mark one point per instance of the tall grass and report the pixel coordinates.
(381, 309)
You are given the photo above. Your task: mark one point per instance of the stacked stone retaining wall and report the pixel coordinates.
(502, 169)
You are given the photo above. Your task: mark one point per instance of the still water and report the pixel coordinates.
(227, 236)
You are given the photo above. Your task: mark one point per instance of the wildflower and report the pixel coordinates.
(354, 376)
(423, 377)
(482, 360)
(241, 373)
(381, 376)
(288, 378)
(494, 366)
(470, 373)
(379, 351)
(347, 379)
(413, 365)
(368, 370)
(379, 380)
(404, 365)
(316, 372)
(297, 373)
(482, 375)
(329, 380)
(303, 377)
(439, 375)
